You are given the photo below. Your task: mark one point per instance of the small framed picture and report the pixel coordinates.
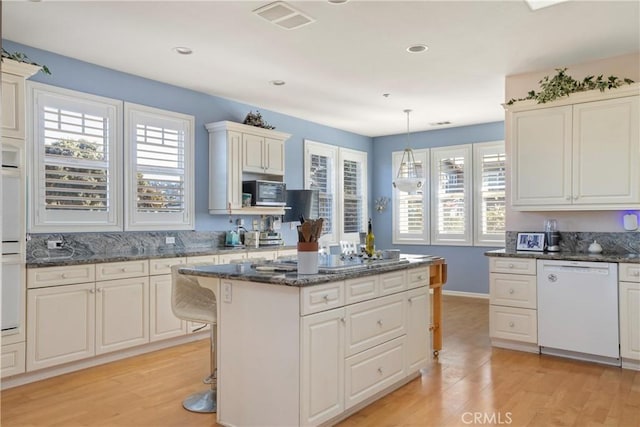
(530, 242)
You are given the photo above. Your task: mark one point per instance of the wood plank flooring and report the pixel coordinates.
(470, 384)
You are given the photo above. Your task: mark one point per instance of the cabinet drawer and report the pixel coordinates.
(64, 275)
(360, 289)
(418, 277)
(512, 265)
(372, 371)
(517, 324)
(373, 322)
(163, 265)
(202, 259)
(322, 297)
(122, 270)
(227, 258)
(13, 359)
(514, 290)
(393, 282)
(629, 272)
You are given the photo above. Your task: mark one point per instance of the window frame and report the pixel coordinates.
(38, 219)
(346, 154)
(424, 238)
(135, 114)
(312, 148)
(480, 149)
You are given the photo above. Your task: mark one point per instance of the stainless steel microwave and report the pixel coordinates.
(266, 193)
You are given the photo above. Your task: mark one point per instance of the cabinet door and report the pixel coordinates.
(12, 359)
(541, 157)
(274, 156)
(418, 321)
(322, 365)
(252, 153)
(60, 325)
(12, 106)
(162, 322)
(606, 152)
(630, 320)
(122, 314)
(227, 258)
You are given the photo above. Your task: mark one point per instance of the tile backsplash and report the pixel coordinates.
(614, 243)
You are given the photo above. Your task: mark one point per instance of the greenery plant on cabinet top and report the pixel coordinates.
(563, 84)
(21, 57)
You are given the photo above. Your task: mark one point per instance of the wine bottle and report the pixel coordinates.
(370, 246)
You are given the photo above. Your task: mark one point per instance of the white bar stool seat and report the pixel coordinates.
(190, 301)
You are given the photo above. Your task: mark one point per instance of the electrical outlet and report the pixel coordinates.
(226, 292)
(240, 222)
(255, 224)
(170, 240)
(54, 244)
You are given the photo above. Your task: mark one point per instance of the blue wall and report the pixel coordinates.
(468, 267)
(85, 77)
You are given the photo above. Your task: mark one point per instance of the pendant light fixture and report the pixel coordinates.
(409, 177)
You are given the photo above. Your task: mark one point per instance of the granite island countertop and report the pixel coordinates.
(248, 271)
(567, 256)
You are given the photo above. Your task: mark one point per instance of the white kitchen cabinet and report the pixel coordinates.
(580, 153)
(60, 324)
(13, 297)
(240, 152)
(122, 313)
(629, 291)
(236, 256)
(417, 342)
(513, 321)
(163, 323)
(322, 366)
(13, 97)
(12, 359)
(262, 154)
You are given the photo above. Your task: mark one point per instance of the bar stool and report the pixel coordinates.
(190, 301)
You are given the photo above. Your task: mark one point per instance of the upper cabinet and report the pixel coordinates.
(578, 153)
(239, 153)
(13, 101)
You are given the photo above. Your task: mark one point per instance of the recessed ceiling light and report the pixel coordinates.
(446, 122)
(337, 1)
(278, 82)
(182, 50)
(386, 95)
(417, 48)
(539, 4)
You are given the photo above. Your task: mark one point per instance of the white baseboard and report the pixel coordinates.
(465, 294)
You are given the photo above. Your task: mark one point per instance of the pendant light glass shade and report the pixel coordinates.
(409, 177)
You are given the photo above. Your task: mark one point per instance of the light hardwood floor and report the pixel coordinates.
(470, 384)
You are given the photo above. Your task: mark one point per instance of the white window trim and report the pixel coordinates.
(479, 149)
(330, 151)
(137, 221)
(38, 219)
(437, 154)
(360, 157)
(423, 238)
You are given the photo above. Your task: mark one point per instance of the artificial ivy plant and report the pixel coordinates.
(563, 84)
(21, 57)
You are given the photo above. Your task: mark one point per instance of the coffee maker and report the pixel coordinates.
(552, 235)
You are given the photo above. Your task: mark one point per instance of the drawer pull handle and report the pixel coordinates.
(511, 291)
(326, 298)
(410, 300)
(380, 371)
(99, 289)
(421, 277)
(379, 322)
(343, 320)
(123, 269)
(510, 265)
(511, 324)
(92, 291)
(63, 275)
(635, 273)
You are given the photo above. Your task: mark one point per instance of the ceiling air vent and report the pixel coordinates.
(283, 15)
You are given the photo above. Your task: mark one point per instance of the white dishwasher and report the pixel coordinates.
(578, 310)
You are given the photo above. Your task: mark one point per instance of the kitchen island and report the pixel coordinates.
(313, 349)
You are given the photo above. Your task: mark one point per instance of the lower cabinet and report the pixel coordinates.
(352, 352)
(629, 291)
(162, 322)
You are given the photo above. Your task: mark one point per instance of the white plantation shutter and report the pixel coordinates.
(353, 206)
(489, 176)
(159, 173)
(410, 211)
(451, 195)
(320, 171)
(75, 169)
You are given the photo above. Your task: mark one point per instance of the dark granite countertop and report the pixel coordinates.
(247, 272)
(64, 256)
(568, 256)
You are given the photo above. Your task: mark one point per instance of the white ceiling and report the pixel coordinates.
(337, 68)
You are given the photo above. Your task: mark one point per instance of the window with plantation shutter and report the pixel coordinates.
(410, 210)
(320, 171)
(489, 177)
(451, 196)
(354, 212)
(75, 172)
(159, 173)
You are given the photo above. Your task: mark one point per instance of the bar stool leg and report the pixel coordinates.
(206, 402)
